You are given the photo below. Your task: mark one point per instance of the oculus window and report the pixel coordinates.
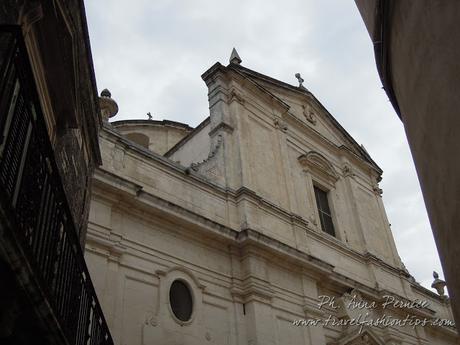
(324, 211)
(180, 298)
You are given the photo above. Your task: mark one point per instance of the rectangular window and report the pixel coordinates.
(324, 211)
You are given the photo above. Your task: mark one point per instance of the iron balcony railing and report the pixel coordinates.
(33, 198)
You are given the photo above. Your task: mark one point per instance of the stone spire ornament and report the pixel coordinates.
(235, 58)
(438, 284)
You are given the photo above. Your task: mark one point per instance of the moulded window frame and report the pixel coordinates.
(320, 172)
(192, 293)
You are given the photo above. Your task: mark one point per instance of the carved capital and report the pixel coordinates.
(280, 124)
(347, 171)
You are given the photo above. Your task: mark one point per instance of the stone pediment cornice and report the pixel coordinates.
(225, 72)
(319, 165)
(343, 150)
(263, 92)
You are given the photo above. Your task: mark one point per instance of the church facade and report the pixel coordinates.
(262, 225)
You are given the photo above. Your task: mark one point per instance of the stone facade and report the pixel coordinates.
(230, 210)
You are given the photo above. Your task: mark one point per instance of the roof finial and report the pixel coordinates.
(106, 93)
(235, 58)
(438, 284)
(300, 79)
(149, 115)
(109, 108)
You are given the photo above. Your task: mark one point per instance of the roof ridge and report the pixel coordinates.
(249, 71)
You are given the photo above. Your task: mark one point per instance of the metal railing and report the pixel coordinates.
(33, 198)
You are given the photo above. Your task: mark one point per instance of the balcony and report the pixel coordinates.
(36, 226)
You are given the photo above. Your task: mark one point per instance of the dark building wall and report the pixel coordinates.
(49, 123)
(417, 47)
(9, 12)
(57, 40)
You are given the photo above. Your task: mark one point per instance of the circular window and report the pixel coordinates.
(181, 300)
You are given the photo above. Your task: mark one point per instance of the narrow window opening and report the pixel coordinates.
(324, 211)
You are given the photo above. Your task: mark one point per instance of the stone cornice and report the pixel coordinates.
(376, 260)
(152, 123)
(217, 67)
(432, 294)
(252, 288)
(221, 127)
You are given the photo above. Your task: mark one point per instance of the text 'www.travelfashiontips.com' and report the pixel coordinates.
(361, 313)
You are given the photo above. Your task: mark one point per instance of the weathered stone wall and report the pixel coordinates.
(194, 150)
(65, 82)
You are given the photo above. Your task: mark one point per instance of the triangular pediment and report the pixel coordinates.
(305, 108)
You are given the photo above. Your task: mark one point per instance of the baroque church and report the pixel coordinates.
(255, 227)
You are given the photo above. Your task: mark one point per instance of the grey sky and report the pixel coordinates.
(150, 55)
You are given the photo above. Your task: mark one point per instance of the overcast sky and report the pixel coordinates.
(151, 54)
